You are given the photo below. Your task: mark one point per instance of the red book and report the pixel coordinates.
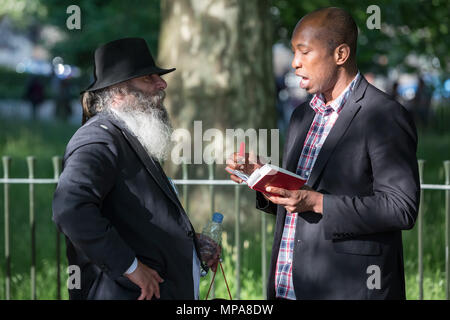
(270, 176)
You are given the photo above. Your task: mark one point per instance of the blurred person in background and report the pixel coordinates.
(421, 103)
(35, 94)
(63, 109)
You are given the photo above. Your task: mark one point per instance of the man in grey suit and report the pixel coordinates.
(124, 225)
(340, 236)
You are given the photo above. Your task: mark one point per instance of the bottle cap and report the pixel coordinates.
(217, 217)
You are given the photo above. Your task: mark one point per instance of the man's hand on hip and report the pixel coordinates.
(147, 279)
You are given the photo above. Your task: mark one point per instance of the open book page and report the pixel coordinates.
(269, 169)
(270, 175)
(273, 176)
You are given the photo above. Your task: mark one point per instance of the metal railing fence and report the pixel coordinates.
(185, 182)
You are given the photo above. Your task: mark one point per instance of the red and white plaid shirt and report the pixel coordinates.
(324, 120)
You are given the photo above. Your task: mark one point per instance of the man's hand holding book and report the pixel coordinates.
(276, 184)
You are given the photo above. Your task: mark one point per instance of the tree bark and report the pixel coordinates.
(222, 50)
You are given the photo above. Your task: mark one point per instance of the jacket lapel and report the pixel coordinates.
(295, 145)
(345, 118)
(157, 172)
(151, 165)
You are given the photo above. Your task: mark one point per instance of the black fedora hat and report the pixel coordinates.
(121, 60)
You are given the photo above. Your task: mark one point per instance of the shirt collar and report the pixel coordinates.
(318, 104)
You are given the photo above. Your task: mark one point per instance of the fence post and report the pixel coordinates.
(447, 230)
(57, 163)
(263, 254)
(31, 163)
(184, 168)
(420, 230)
(211, 171)
(237, 238)
(6, 166)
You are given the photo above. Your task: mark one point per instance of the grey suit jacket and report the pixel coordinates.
(113, 202)
(367, 171)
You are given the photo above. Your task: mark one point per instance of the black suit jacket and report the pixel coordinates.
(367, 171)
(113, 202)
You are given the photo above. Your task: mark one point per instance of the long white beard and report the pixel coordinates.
(146, 117)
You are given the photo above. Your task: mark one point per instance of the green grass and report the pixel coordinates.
(20, 139)
(434, 148)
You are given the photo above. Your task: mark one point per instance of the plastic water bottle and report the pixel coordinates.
(211, 237)
(213, 228)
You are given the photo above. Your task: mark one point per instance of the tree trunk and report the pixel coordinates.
(222, 50)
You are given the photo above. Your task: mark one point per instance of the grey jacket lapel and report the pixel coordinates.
(345, 118)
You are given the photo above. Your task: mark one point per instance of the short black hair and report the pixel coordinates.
(338, 27)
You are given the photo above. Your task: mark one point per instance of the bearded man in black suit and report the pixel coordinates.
(124, 225)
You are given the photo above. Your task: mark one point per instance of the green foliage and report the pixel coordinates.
(416, 26)
(23, 13)
(102, 21)
(15, 86)
(441, 118)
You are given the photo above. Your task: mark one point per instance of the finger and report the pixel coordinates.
(278, 200)
(252, 158)
(213, 263)
(240, 159)
(149, 291)
(156, 290)
(236, 179)
(210, 263)
(290, 209)
(157, 277)
(235, 162)
(279, 191)
(231, 163)
(142, 296)
(154, 286)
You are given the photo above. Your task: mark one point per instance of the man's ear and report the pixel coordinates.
(118, 99)
(341, 54)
